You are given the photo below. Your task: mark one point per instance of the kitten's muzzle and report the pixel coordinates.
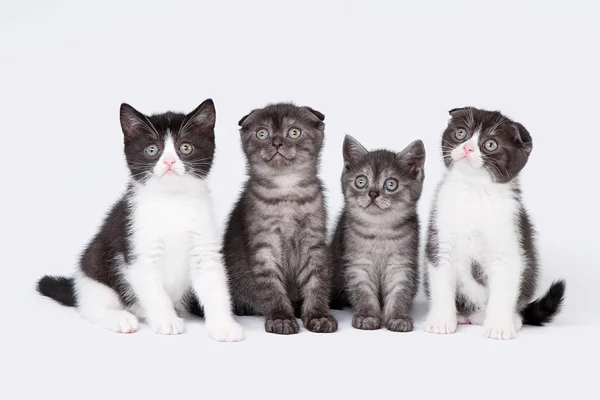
(277, 153)
(373, 203)
(373, 195)
(277, 143)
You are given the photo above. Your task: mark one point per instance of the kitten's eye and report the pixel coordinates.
(262, 134)
(294, 133)
(391, 184)
(490, 145)
(186, 148)
(361, 181)
(461, 134)
(152, 150)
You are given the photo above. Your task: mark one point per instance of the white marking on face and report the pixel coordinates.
(468, 154)
(169, 163)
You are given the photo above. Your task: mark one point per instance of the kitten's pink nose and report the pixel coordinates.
(169, 163)
(468, 149)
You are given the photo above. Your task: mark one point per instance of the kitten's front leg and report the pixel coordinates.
(314, 281)
(146, 281)
(442, 294)
(362, 291)
(400, 283)
(501, 319)
(209, 282)
(273, 299)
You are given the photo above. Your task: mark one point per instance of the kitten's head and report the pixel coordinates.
(382, 182)
(480, 141)
(282, 137)
(170, 145)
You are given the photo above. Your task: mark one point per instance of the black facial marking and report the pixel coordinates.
(195, 129)
(514, 141)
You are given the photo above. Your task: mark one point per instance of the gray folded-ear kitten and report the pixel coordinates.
(274, 245)
(375, 247)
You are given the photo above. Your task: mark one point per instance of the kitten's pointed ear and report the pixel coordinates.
(320, 116)
(523, 137)
(133, 122)
(202, 120)
(353, 151)
(413, 159)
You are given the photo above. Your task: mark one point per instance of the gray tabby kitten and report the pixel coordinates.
(376, 243)
(274, 245)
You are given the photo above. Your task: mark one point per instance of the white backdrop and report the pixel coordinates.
(385, 72)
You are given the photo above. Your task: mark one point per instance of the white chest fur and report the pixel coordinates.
(476, 217)
(166, 225)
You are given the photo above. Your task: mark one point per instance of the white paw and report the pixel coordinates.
(228, 331)
(168, 325)
(501, 329)
(119, 321)
(441, 324)
(518, 321)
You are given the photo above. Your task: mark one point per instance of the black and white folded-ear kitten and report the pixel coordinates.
(274, 245)
(159, 244)
(375, 247)
(482, 263)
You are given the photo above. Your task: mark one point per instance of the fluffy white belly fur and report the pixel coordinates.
(168, 230)
(475, 221)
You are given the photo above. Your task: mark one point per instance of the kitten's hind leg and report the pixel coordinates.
(101, 305)
(478, 318)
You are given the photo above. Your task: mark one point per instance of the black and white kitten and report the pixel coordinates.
(159, 244)
(482, 263)
(375, 246)
(274, 245)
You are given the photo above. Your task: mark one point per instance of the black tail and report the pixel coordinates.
(59, 288)
(543, 310)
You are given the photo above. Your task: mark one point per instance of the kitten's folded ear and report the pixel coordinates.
(413, 159)
(523, 137)
(353, 151)
(133, 122)
(456, 111)
(201, 120)
(320, 116)
(241, 121)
